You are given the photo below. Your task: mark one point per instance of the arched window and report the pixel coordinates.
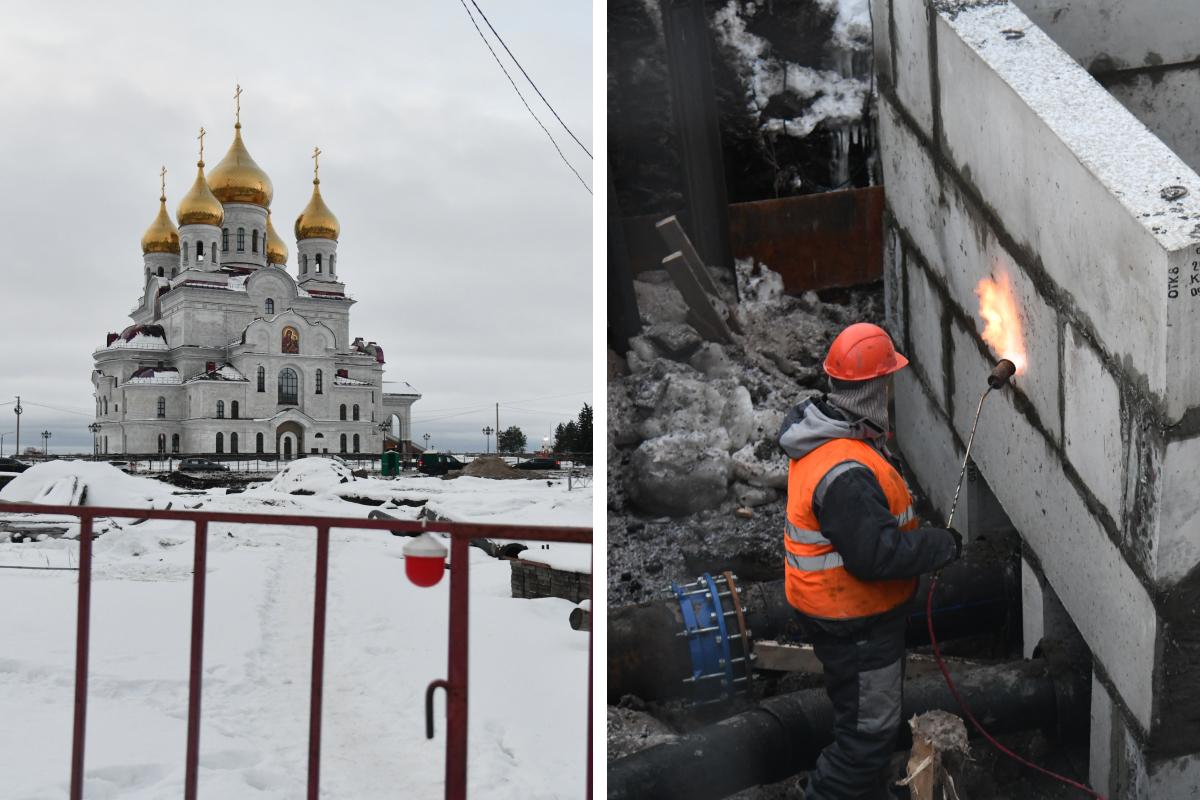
(343, 411)
(162, 407)
(199, 252)
(304, 264)
(332, 258)
(356, 412)
(106, 408)
(262, 379)
(356, 442)
(212, 253)
(343, 444)
(220, 409)
(320, 381)
(253, 241)
(233, 443)
(318, 263)
(258, 443)
(162, 443)
(233, 409)
(269, 306)
(225, 239)
(220, 443)
(288, 386)
(241, 243)
(174, 272)
(185, 251)
(175, 443)
(160, 272)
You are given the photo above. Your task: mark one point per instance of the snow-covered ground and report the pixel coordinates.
(386, 641)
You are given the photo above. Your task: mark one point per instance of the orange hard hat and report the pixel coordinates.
(861, 352)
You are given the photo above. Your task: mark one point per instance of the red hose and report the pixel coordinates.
(937, 654)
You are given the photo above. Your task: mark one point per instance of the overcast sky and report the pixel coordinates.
(465, 240)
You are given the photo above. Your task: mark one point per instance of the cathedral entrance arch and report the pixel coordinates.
(289, 439)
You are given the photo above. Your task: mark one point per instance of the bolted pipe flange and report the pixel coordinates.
(712, 621)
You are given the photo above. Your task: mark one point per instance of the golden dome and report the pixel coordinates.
(237, 179)
(162, 236)
(200, 206)
(316, 221)
(276, 248)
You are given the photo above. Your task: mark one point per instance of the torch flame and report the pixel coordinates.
(1002, 321)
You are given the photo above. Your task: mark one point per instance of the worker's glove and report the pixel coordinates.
(958, 542)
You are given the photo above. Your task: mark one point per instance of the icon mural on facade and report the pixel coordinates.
(291, 340)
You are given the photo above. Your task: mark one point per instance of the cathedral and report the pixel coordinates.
(229, 351)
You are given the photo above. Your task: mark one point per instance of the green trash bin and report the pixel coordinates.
(390, 463)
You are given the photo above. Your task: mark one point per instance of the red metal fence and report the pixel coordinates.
(455, 684)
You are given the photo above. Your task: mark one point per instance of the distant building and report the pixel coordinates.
(228, 351)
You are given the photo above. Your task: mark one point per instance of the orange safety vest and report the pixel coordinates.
(817, 583)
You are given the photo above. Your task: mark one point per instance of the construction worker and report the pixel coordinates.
(854, 553)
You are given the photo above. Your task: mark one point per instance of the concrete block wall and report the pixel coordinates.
(1003, 155)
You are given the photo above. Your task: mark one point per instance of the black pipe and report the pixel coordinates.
(581, 619)
(978, 594)
(784, 735)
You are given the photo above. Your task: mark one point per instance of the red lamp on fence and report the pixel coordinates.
(424, 559)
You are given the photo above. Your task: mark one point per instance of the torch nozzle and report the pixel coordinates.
(1000, 374)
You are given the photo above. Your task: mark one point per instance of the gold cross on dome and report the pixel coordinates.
(162, 181)
(316, 162)
(237, 99)
(201, 138)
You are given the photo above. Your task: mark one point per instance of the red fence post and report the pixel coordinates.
(199, 577)
(318, 663)
(456, 694)
(82, 629)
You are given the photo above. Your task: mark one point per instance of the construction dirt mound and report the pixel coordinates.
(488, 467)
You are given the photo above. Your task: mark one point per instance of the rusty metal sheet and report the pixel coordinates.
(814, 241)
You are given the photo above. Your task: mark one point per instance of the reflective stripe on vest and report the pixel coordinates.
(805, 536)
(815, 563)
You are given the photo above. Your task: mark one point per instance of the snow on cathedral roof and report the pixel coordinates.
(221, 373)
(339, 380)
(155, 375)
(140, 337)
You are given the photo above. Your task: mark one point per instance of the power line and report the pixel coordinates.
(531, 83)
(526, 104)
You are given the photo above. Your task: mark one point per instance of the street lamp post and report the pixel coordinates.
(17, 410)
(426, 438)
(95, 429)
(46, 445)
(487, 432)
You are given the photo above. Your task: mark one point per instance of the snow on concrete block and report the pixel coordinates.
(924, 438)
(912, 61)
(1083, 566)
(1168, 103)
(1092, 422)
(925, 331)
(1081, 190)
(1100, 737)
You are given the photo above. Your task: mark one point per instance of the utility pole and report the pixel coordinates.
(17, 411)
(497, 427)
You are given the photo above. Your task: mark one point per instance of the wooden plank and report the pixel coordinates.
(675, 237)
(786, 657)
(696, 298)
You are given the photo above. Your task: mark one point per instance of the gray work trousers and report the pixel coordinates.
(864, 677)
